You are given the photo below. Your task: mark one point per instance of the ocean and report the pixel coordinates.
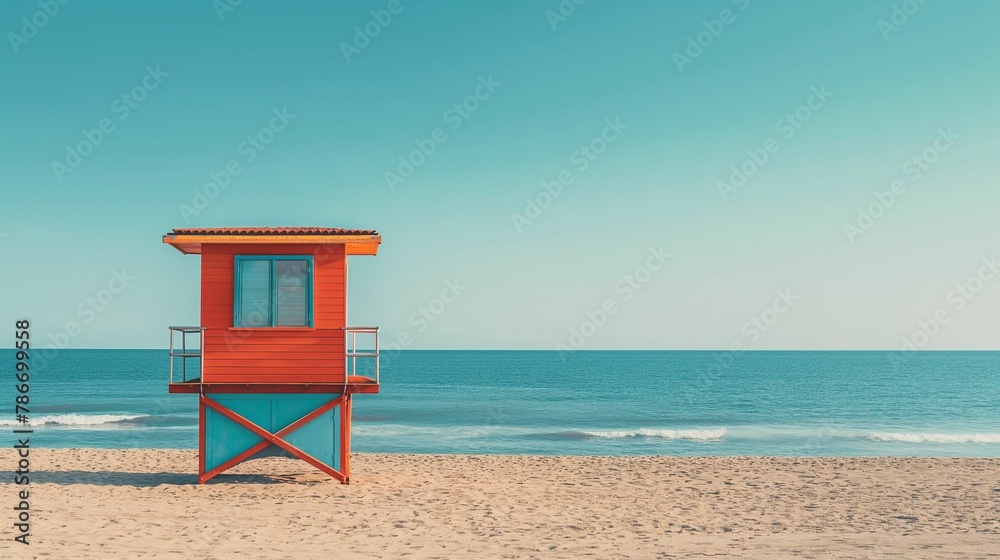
(581, 403)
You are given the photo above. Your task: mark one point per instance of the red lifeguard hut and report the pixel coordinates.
(273, 361)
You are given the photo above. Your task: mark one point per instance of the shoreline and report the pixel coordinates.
(442, 455)
(521, 506)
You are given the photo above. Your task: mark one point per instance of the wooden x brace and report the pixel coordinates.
(270, 439)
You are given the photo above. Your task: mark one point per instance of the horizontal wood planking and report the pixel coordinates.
(270, 360)
(277, 335)
(312, 349)
(270, 377)
(224, 312)
(238, 342)
(330, 317)
(219, 266)
(273, 355)
(239, 345)
(281, 373)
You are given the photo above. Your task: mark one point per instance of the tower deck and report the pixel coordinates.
(355, 384)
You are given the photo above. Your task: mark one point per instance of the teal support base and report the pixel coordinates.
(224, 439)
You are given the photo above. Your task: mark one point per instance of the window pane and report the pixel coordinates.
(254, 299)
(292, 284)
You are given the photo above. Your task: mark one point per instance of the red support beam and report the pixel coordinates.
(269, 438)
(201, 439)
(345, 439)
(309, 388)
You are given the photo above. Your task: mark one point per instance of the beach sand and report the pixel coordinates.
(97, 503)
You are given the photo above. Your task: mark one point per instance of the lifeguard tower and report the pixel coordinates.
(273, 361)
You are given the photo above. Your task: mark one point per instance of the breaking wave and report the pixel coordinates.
(934, 438)
(123, 420)
(697, 435)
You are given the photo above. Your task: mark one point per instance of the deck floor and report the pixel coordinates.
(355, 384)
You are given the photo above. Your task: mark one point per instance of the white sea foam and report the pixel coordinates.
(701, 435)
(934, 438)
(75, 420)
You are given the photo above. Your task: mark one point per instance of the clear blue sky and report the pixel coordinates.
(208, 81)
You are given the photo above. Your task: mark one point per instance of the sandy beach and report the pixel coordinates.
(97, 503)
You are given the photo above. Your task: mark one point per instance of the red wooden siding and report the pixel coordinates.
(281, 354)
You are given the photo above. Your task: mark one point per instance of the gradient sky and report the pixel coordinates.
(655, 185)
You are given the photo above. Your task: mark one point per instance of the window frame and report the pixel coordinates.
(272, 290)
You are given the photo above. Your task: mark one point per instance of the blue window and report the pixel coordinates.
(273, 291)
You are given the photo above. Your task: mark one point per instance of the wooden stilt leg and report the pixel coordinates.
(201, 439)
(345, 439)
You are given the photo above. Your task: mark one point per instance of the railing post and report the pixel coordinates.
(171, 356)
(184, 354)
(201, 350)
(184, 359)
(351, 352)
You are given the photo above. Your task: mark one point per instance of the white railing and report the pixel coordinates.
(185, 353)
(352, 354)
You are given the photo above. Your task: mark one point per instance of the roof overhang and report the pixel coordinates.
(190, 242)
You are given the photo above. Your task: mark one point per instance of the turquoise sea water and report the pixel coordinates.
(591, 403)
